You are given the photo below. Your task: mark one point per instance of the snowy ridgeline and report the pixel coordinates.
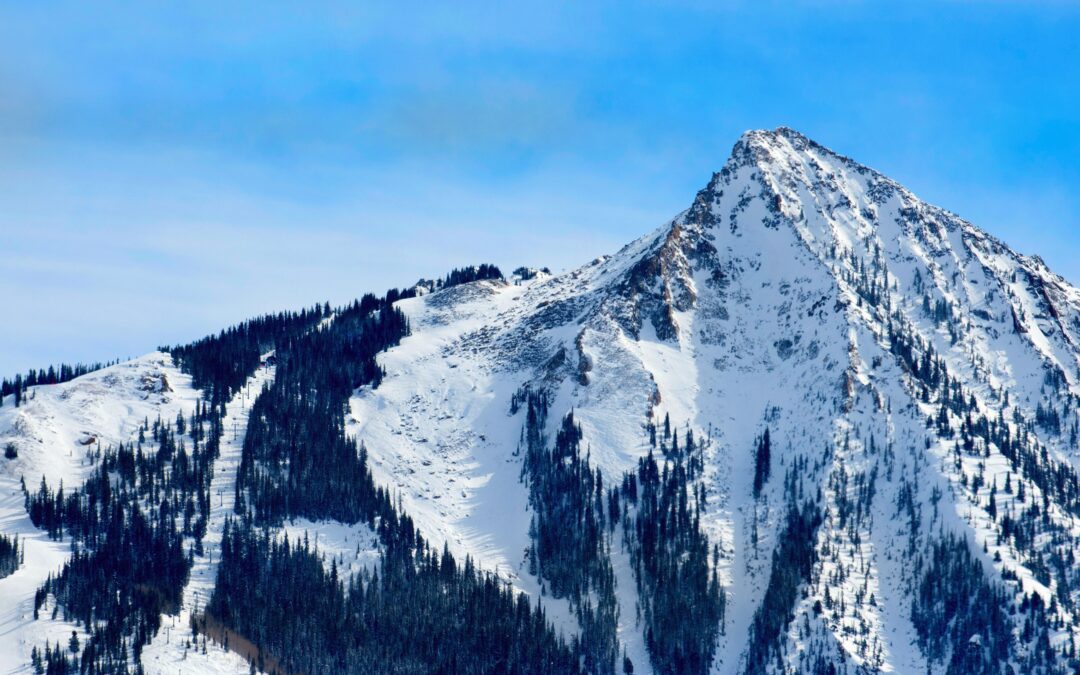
(864, 406)
(56, 431)
(808, 296)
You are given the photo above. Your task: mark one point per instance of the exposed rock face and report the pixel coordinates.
(884, 400)
(905, 363)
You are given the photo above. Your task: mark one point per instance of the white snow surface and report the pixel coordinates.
(168, 652)
(51, 431)
(745, 312)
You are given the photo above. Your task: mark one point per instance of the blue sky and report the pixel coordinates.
(167, 169)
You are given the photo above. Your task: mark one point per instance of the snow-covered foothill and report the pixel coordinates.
(53, 430)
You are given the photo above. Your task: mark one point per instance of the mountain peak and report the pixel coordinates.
(766, 147)
(840, 420)
(784, 132)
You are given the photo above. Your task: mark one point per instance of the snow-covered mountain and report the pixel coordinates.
(882, 401)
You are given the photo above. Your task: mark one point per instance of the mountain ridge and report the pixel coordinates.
(692, 245)
(871, 406)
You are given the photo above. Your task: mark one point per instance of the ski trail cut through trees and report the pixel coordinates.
(167, 652)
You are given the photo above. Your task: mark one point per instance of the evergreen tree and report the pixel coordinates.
(762, 462)
(10, 555)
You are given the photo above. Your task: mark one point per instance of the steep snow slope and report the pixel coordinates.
(803, 293)
(919, 382)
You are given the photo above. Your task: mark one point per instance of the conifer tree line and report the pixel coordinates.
(659, 506)
(570, 552)
(220, 364)
(954, 601)
(11, 555)
(129, 522)
(56, 659)
(463, 275)
(146, 501)
(52, 375)
(528, 273)
(1043, 544)
(128, 525)
(420, 612)
(682, 600)
(297, 460)
(931, 383)
(971, 624)
(792, 563)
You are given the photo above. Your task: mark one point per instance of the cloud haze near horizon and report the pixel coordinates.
(167, 170)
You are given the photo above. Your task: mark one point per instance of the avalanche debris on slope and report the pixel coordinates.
(785, 299)
(918, 381)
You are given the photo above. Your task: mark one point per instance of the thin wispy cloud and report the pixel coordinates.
(168, 169)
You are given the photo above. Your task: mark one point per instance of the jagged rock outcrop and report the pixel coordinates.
(906, 364)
